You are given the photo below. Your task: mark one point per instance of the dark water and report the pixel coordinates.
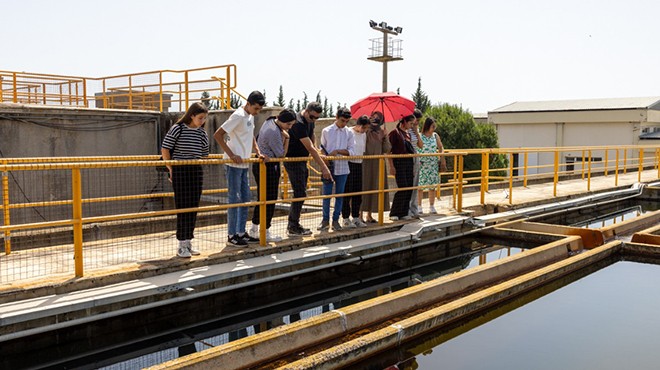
(606, 320)
(154, 336)
(601, 215)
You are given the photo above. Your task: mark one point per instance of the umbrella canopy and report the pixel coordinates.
(393, 106)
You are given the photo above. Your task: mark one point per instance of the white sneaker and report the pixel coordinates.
(254, 231)
(192, 250)
(358, 223)
(432, 210)
(183, 251)
(347, 223)
(394, 218)
(272, 238)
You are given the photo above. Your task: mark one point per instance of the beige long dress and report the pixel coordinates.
(377, 143)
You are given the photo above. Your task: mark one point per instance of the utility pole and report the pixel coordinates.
(384, 50)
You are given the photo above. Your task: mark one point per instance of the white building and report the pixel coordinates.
(567, 123)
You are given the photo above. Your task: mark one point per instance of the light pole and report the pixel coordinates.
(383, 51)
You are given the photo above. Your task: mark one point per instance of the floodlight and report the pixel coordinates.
(398, 30)
(383, 24)
(372, 24)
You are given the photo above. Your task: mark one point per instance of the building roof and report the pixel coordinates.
(581, 104)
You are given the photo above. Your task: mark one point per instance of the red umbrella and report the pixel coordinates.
(393, 106)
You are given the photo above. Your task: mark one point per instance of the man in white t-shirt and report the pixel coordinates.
(240, 142)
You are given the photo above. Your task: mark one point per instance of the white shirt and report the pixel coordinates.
(334, 138)
(360, 142)
(240, 136)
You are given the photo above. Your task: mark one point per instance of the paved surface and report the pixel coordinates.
(155, 253)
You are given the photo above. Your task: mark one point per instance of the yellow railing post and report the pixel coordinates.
(625, 161)
(459, 208)
(5, 208)
(76, 183)
(15, 88)
(556, 174)
(160, 91)
(227, 95)
(641, 165)
(511, 178)
(525, 171)
(130, 92)
(262, 205)
(616, 169)
(85, 102)
(484, 177)
(455, 174)
(583, 164)
(589, 172)
(105, 98)
(381, 190)
(606, 160)
(185, 74)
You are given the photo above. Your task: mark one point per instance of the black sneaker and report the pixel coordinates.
(248, 239)
(297, 230)
(236, 241)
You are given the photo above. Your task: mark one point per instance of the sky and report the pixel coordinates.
(478, 54)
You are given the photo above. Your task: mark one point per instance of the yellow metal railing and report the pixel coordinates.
(561, 163)
(160, 90)
(583, 163)
(77, 221)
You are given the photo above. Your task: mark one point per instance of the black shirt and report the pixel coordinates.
(300, 130)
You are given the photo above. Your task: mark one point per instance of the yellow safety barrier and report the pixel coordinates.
(62, 206)
(160, 90)
(90, 213)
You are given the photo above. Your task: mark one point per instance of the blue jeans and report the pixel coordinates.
(340, 183)
(238, 188)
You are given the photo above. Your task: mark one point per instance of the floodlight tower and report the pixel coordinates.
(384, 50)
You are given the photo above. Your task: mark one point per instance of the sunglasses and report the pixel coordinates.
(313, 118)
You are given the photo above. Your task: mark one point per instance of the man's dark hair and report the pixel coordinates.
(343, 112)
(315, 106)
(256, 97)
(417, 113)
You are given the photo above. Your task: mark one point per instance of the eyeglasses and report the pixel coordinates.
(313, 118)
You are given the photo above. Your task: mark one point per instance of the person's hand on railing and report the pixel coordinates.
(236, 158)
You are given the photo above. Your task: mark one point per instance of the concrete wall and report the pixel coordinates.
(40, 131)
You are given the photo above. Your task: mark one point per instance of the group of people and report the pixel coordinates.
(290, 134)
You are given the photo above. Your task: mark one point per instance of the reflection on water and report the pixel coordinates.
(606, 320)
(601, 215)
(151, 337)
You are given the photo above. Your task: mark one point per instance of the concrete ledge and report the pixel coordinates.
(409, 328)
(280, 341)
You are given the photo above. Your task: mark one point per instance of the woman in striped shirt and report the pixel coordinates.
(187, 140)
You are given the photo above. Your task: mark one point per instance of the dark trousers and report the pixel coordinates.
(298, 177)
(351, 205)
(272, 186)
(404, 179)
(187, 182)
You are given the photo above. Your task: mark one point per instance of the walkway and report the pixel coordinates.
(122, 259)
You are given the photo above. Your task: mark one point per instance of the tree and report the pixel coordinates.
(206, 99)
(290, 104)
(420, 98)
(280, 99)
(305, 101)
(265, 99)
(458, 130)
(235, 101)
